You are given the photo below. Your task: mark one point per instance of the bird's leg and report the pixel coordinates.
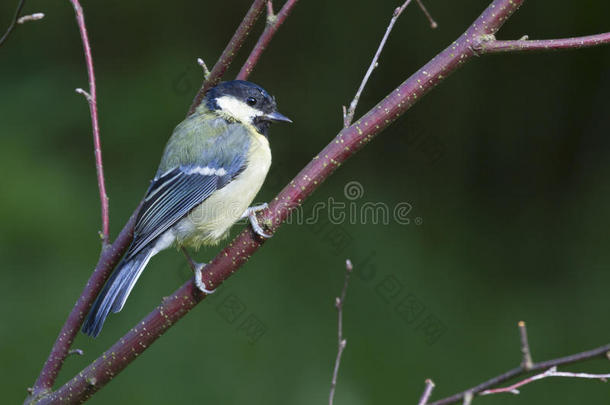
(197, 269)
(251, 215)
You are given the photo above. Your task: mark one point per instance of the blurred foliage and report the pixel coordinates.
(505, 164)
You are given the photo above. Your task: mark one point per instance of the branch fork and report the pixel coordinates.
(528, 365)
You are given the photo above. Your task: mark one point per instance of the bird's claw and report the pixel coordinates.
(198, 280)
(251, 214)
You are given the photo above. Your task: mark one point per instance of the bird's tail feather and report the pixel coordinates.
(115, 292)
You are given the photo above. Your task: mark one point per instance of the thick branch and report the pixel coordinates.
(600, 352)
(523, 45)
(230, 51)
(274, 21)
(345, 144)
(91, 97)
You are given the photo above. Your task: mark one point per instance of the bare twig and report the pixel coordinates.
(274, 21)
(527, 363)
(91, 97)
(433, 23)
(13, 23)
(600, 352)
(491, 45)
(427, 392)
(30, 17)
(230, 51)
(84, 93)
(552, 372)
(80, 352)
(192, 263)
(270, 13)
(206, 71)
(348, 113)
(341, 342)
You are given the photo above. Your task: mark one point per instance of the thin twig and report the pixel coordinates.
(491, 45)
(600, 352)
(552, 372)
(30, 17)
(270, 13)
(206, 71)
(348, 114)
(341, 342)
(274, 21)
(433, 23)
(427, 392)
(13, 23)
(80, 352)
(91, 97)
(527, 363)
(230, 51)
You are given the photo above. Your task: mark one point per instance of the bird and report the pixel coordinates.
(212, 168)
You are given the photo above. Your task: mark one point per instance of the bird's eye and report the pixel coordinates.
(251, 101)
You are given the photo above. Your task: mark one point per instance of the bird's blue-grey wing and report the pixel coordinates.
(174, 194)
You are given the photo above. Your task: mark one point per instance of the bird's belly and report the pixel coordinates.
(210, 222)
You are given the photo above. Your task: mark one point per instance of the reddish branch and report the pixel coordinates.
(274, 21)
(343, 146)
(91, 97)
(110, 254)
(227, 56)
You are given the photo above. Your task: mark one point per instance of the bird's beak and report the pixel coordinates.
(277, 117)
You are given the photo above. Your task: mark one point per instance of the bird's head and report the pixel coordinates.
(245, 102)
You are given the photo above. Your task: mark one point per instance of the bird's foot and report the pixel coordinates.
(198, 269)
(251, 215)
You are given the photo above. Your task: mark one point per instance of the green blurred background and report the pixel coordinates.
(505, 166)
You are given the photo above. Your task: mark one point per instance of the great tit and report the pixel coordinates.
(212, 168)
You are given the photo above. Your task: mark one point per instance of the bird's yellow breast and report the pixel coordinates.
(210, 222)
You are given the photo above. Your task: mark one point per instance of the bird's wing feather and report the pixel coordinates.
(171, 197)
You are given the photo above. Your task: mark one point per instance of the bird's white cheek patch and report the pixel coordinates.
(237, 109)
